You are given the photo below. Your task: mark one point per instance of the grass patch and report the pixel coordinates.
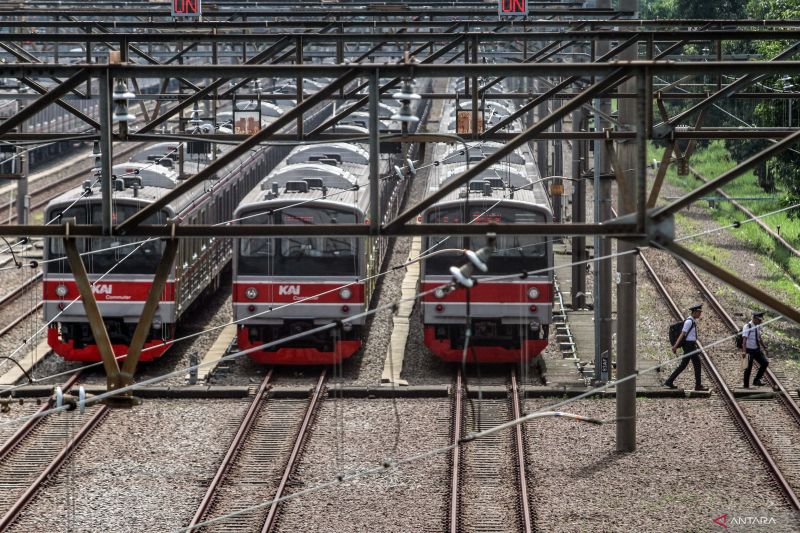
(713, 161)
(709, 251)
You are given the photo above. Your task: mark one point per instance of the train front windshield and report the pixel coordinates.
(300, 256)
(513, 253)
(114, 255)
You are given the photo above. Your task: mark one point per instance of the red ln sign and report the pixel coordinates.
(186, 8)
(513, 8)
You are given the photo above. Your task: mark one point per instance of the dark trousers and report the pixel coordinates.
(695, 358)
(755, 355)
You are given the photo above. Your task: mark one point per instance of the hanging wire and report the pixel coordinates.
(549, 410)
(140, 243)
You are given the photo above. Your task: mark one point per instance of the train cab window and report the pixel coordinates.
(117, 255)
(301, 256)
(513, 253)
(56, 246)
(131, 255)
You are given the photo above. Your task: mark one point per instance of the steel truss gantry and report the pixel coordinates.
(448, 51)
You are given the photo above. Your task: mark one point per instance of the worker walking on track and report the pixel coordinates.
(752, 345)
(688, 341)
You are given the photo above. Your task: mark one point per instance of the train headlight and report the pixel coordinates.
(251, 293)
(534, 325)
(345, 293)
(157, 323)
(440, 292)
(61, 291)
(533, 293)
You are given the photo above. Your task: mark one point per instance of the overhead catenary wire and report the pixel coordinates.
(338, 287)
(300, 335)
(387, 464)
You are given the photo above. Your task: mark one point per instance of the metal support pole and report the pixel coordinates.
(88, 61)
(92, 310)
(578, 292)
(474, 91)
(541, 146)
(631, 113)
(299, 81)
(23, 198)
(21, 164)
(374, 154)
(557, 195)
(148, 312)
(106, 187)
(603, 321)
(215, 101)
(558, 153)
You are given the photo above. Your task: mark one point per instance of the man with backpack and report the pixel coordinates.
(751, 346)
(688, 341)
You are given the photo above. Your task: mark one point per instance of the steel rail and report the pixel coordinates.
(11, 325)
(522, 480)
(33, 421)
(783, 394)
(727, 396)
(53, 467)
(16, 293)
(458, 413)
(233, 450)
(271, 521)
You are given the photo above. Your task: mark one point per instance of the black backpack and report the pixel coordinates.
(740, 339)
(675, 331)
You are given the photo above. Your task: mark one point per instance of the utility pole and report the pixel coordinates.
(541, 145)
(22, 166)
(631, 114)
(106, 187)
(578, 292)
(558, 154)
(603, 322)
(374, 153)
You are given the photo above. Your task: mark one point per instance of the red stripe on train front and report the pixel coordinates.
(89, 353)
(108, 291)
(297, 355)
(492, 292)
(482, 354)
(292, 292)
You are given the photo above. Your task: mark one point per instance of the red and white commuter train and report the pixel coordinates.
(287, 285)
(121, 286)
(509, 318)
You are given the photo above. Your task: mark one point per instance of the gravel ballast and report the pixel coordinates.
(691, 465)
(410, 498)
(142, 470)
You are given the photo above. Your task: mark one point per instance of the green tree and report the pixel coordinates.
(775, 112)
(717, 9)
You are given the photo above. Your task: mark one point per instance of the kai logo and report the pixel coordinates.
(288, 290)
(102, 289)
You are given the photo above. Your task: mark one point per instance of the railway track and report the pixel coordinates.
(488, 485)
(262, 456)
(37, 450)
(30, 284)
(771, 432)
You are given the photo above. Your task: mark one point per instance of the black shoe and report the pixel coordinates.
(670, 385)
(759, 384)
(700, 388)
